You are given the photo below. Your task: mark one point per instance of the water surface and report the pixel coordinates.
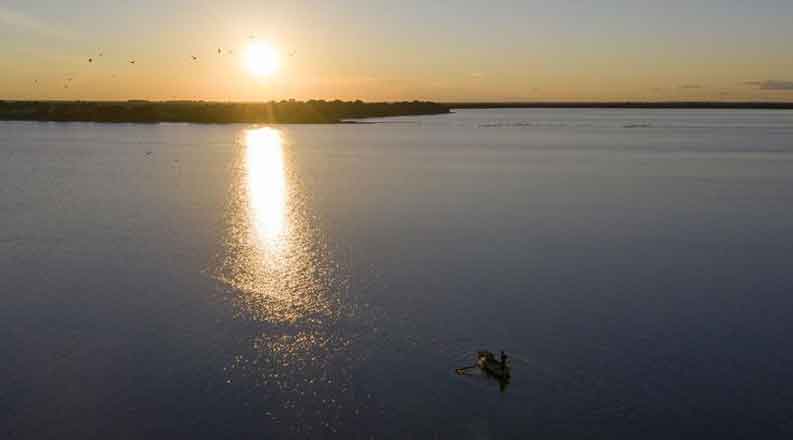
(324, 281)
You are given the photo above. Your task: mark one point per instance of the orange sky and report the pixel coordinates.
(464, 51)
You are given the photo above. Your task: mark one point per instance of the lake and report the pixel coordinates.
(324, 281)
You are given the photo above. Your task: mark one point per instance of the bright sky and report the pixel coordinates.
(461, 50)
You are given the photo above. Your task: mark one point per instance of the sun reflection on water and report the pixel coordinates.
(273, 255)
(284, 280)
(266, 184)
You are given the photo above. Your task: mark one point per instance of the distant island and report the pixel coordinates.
(276, 112)
(299, 112)
(630, 105)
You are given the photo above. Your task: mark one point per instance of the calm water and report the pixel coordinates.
(324, 281)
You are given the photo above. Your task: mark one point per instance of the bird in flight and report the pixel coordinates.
(219, 51)
(195, 58)
(132, 61)
(90, 60)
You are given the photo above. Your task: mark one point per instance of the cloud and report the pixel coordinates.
(771, 85)
(26, 23)
(691, 86)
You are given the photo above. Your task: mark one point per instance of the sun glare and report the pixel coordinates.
(261, 59)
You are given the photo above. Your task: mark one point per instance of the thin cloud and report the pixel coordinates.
(26, 23)
(771, 85)
(691, 86)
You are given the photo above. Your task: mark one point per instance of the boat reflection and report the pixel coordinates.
(273, 256)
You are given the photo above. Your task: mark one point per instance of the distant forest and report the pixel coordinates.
(314, 111)
(298, 112)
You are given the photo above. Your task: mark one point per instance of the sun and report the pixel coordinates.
(261, 59)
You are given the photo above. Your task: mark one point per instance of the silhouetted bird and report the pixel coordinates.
(219, 51)
(132, 61)
(90, 60)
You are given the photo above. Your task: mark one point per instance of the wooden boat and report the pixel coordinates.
(489, 364)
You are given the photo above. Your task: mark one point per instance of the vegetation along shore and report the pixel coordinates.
(285, 112)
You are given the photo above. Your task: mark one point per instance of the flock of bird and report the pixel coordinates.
(94, 58)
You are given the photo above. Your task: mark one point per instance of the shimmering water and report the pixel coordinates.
(324, 281)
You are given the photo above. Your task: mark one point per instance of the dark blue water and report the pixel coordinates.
(325, 281)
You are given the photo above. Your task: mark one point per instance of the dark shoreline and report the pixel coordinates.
(281, 112)
(628, 105)
(301, 112)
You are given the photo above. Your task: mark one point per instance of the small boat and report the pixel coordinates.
(486, 362)
(489, 364)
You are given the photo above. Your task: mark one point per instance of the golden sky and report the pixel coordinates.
(446, 51)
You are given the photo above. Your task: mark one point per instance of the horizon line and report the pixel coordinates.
(494, 102)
